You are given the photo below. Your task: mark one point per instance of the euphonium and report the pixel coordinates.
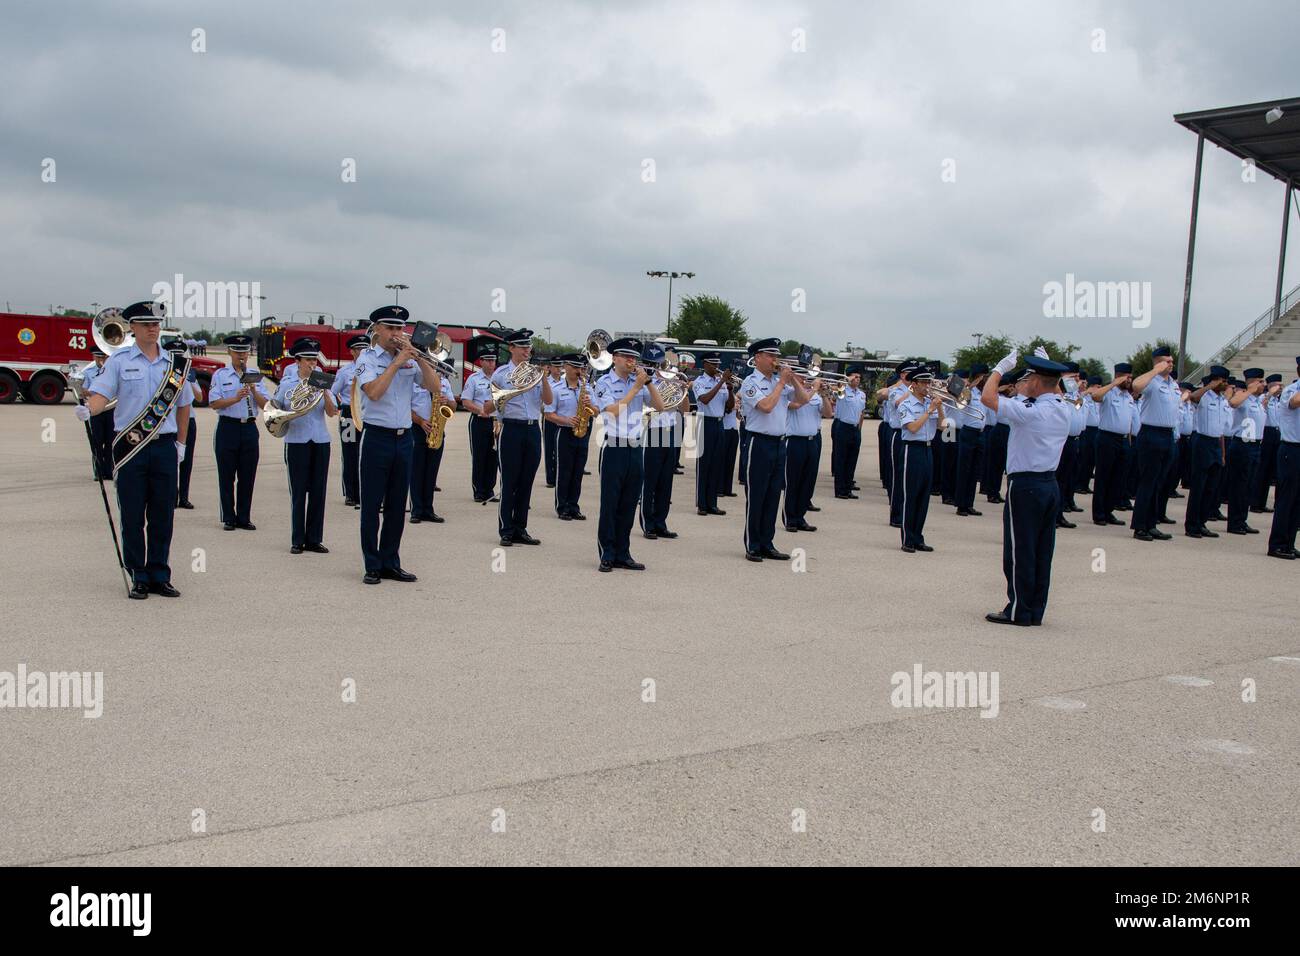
(438, 425)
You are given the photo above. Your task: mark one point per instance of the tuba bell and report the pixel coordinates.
(598, 356)
(111, 332)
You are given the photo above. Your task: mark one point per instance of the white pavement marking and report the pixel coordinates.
(1061, 703)
(1285, 660)
(1225, 746)
(1189, 681)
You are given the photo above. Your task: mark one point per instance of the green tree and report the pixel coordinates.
(1092, 367)
(707, 317)
(1057, 352)
(1141, 358)
(543, 347)
(990, 351)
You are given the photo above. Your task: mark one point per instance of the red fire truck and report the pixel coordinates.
(38, 352)
(276, 337)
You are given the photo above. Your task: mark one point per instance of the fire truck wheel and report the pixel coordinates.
(46, 388)
(205, 382)
(8, 387)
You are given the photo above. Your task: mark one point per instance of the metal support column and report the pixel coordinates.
(1191, 256)
(1281, 255)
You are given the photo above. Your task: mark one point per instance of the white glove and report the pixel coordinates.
(1008, 363)
(180, 452)
(82, 412)
(1042, 353)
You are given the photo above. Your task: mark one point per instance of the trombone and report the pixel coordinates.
(438, 359)
(955, 395)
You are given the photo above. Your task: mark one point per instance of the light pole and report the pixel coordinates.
(978, 337)
(250, 298)
(397, 288)
(660, 274)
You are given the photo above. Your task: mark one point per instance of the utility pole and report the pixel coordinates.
(670, 276)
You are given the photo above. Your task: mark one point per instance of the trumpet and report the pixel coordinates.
(437, 360)
(956, 396)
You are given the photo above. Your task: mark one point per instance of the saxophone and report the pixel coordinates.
(438, 425)
(582, 420)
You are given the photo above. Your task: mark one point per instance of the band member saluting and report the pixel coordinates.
(476, 398)
(620, 394)
(572, 436)
(191, 440)
(520, 445)
(765, 399)
(1161, 398)
(306, 451)
(151, 417)
(918, 419)
(1039, 426)
(1286, 503)
(386, 376)
(349, 431)
(237, 443)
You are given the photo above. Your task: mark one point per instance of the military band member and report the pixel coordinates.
(1286, 503)
(1177, 473)
(237, 442)
(1267, 470)
(742, 465)
(1244, 449)
(1068, 468)
(306, 452)
(765, 399)
(1114, 422)
(101, 426)
(995, 465)
(711, 399)
(846, 433)
(895, 397)
(1157, 427)
(426, 461)
(662, 438)
(1206, 451)
(387, 374)
(567, 397)
(1039, 424)
(349, 431)
(1088, 440)
(621, 394)
(192, 436)
(476, 398)
(918, 420)
(947, 448)
(884, 436)
(147, 452)
(520, 445)
(550, 430)
(803, 424)
(970, 446)
(730, 435)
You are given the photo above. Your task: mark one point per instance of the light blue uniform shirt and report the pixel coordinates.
(701, 386)
(1209, 415)
(1038, 432)
(1270, 413)
(1093, 409)
(422, 400)
(132, 379)
(909, 411)
(304, 428)
(564, 400)
(965, 419)
(88, 376)
(1186, 418)
(752, 391)
(625, 428)
(891, 404)
(1288, 419)
(393, 410)
(342, 387)
(729, 419)
(1248, 419)
(525, 407)
(1159, 405)
(225, 383)
(477, 388)
(1078, 418)
(850, 406)
(806, 420)
(1116, 415)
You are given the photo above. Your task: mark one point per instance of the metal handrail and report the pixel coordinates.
(1248, 334)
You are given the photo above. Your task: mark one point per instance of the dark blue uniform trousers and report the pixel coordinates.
(1173, 473)
(708, 462)
(744, 453)
(550, 430)
(620, 489)
(951, 451)
(996, 463)
(1243, 462)
(730, 446)
(1286, 504)
(657, 482)
(101, 442)
(896, 483)
(800, 477)
(146, 494)
(350, 442)
(1028, 541)
(1154, 452)
(237, 449)
(520, 451)
(915, 478)
(483, 457)
(1065, 471)
(1087, 458)
(1202, 480)
(764, 481)
(1266, 471)
(884, 445)
(187, 466)
(846, 444)
(570, 461)
(969, 462)
(385, 480)
(1108, 477)
(425, 462)
(308, 464)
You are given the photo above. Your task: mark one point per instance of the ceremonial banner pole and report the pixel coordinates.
(108, 510)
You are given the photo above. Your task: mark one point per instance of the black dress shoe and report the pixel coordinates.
(1062, 523)
(730, 494)
(703, 513)
(1159, 535)
(1143, 536)
(1176, 494)
(665, 533)
(805, 526)
(351, 501)
(1000, 617)
(972, 511)
(566, 517)
(1123, 507)
(753, 556)
(296, 549)
(523, 537)
(229, 526)
(1207, 533)
(949, 501)
(924, 547)
(630, 565)
(792, 528)
(1193, 533)
(494, 499)
(187, 505)
(606, 566)
(856, 486)
(550, 484)
(996, 499)
(437, 488)
(139, 591)
(1217, 516)
(909, 549)
(1111, 519)
(434, 517)
(247, 527)
(397, 574)
(1284, 555)
(585, 472)
(848, 496)
(579, 516)
(416, 519)
(813, 508)
(1235, 530)
(164, 589)
(716, 511)
(652, 535)
(774, 554)
(895, 524)
(371, 577)
(316, 548)
(1163, 520)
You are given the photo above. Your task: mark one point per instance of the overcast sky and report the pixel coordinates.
(523, 170)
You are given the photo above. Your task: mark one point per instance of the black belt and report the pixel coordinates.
(1285, 442)
(1246, 441)
(801, 437)
(914, 441)
(237, 421)
(761, 435)
(386, 430)
(521, 421)
(1033, 474)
